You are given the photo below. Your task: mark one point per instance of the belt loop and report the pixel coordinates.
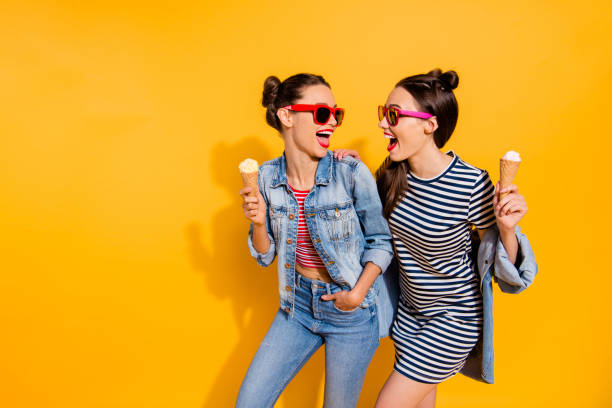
(297, 280)
(327, 286)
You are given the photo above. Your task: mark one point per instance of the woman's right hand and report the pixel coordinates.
(254, 207)
(341, 153)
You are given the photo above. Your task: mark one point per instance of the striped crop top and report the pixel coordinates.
(305, 253)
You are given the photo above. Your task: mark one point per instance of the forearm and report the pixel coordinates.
(261, 241)
(366, 280)
(508, 238)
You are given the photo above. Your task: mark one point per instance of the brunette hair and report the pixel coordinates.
(277, 94)
(433, 93)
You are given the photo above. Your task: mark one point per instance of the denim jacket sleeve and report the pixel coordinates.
(514, 278)
(493, 263)
(267, 258)
(378, 249)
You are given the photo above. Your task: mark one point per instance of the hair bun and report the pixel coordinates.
(450, 79)
(271, 85)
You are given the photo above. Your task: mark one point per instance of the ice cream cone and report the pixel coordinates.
(248, 170)
(507, 172)
(250, 180)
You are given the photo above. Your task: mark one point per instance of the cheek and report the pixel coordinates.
(410, 134)
(306, 128)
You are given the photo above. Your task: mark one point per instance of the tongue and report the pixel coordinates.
(392, 144)
(323, 141)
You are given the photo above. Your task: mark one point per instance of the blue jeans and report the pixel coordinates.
(350, 339)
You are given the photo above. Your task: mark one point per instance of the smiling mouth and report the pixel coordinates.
(323, 137)
(392, 141)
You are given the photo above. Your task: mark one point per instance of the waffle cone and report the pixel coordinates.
(250, 180)
(507, 172)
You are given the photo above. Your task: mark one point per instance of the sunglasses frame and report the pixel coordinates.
(301, 107)
(400, 113)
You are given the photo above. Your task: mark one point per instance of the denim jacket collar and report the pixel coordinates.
(323, 175)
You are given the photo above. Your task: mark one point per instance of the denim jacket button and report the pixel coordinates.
(287, 310)
(289, 241)
(291, 216)
(287, 265)
(288, 288)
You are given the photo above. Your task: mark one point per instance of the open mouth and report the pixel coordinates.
(323, 137)
(392, 141)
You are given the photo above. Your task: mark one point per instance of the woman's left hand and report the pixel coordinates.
(510, 209)
(344, 300)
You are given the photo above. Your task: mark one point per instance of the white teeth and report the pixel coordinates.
(389, 136)
(325, 133)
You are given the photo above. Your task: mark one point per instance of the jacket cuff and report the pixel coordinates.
(515, 277)
(262, 259)
(379, 257)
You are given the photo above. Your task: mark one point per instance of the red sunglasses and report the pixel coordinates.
(393, 114)
(321, 113)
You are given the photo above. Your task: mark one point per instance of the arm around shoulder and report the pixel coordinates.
(377, 235)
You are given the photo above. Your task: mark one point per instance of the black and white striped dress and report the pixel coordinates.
(440, 310)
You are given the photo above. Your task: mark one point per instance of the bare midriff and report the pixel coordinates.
(319, 274)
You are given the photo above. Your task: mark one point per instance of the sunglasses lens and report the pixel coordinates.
(392, 116)
(381, 112)
(339, 116)
(322, 115)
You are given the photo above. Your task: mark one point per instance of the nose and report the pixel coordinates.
(383, 124)
(332, 120)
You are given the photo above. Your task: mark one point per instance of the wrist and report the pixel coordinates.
(356, 296)
(505, 231)
(259, 224)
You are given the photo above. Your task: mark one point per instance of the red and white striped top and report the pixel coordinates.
(305, 253)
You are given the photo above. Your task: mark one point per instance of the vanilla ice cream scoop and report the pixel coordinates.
(248, 166)
(512, 155)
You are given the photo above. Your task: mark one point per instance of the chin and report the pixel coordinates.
(320, 151)
(395, 155)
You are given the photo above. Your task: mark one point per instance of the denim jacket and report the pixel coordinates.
(494, 265)
(344, 217)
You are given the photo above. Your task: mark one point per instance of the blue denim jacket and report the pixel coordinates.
(344, 216)
(494, 265)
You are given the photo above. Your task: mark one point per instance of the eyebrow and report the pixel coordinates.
(396, 105)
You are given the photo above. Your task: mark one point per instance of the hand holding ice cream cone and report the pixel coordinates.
(510, 206)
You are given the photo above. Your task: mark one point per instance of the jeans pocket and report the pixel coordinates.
(335, 315)
(333, 302)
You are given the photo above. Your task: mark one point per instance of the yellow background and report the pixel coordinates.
(126, 280)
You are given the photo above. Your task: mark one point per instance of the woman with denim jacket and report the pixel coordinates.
(323, 218)
(432, 200)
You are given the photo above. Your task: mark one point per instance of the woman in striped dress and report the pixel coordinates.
(432, 200)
